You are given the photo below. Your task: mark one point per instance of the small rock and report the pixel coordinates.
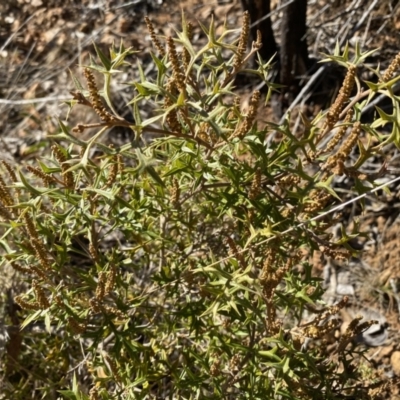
(395, 361)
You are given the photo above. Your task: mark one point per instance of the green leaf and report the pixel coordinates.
(159, 64)
(77, 83)
(326, 185)
(47, 323)
(141, 73)
(105, 193)
(186, 149)
(103, 58)
(153, 173)
(30, 188)
(31, 318)
(271, 354)
(68, 394)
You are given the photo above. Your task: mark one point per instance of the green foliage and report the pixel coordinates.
(177, 267)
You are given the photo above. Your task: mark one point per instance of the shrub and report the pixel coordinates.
(178, 267)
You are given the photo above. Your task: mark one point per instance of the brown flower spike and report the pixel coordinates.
(244, 38)
(95, 98)
(394, 65)
(153, 36)
(245, 127)
(172, 116)
(341, 99)
(179, 76)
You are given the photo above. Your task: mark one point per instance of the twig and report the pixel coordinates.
(363, 18)
(304, 90)
(35, 101)
(8, 41)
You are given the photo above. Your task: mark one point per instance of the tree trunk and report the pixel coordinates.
(257, 10)
(293, 61)
(294, 52)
